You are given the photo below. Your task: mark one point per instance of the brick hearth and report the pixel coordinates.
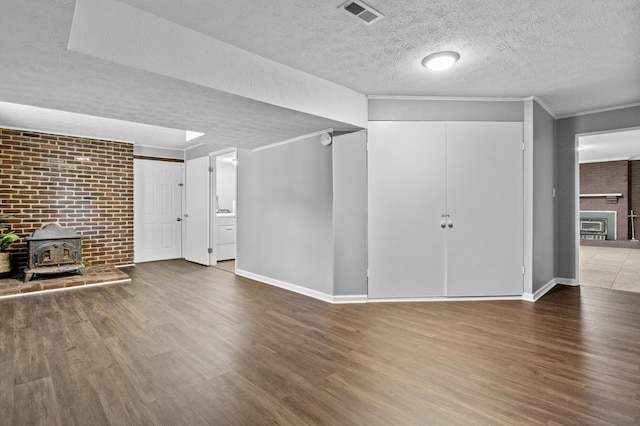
(99, 274)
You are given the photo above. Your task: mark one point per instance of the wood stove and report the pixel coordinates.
(53, 249)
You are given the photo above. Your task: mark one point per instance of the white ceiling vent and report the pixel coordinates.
(365, 13)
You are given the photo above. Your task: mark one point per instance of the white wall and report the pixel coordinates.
(285, 214)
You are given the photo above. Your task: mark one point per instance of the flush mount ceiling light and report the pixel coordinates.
(441, 60)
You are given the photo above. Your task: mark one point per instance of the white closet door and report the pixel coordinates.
(406, 184)
(485, 202)
(198, 211)
(158, 210)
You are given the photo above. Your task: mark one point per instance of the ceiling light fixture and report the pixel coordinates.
(441, 60)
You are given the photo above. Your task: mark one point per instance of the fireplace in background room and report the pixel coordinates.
(598, 225)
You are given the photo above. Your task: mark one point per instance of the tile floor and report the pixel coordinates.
(614, 268)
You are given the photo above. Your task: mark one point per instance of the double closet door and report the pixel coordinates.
(445, 209)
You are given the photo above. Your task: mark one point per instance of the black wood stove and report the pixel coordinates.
(53, 250)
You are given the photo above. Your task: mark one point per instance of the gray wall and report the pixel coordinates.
(420, 109)
(285, 213)
(543, 202)
(566, 130)
(350, 213)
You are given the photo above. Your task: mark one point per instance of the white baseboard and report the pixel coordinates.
(355, 298)
(532, 297)
(443, 299)
(363, 298)
(285, 285)
(566, 281)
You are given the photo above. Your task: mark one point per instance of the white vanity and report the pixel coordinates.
(225, 236)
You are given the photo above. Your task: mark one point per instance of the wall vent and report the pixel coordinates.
(365, 13)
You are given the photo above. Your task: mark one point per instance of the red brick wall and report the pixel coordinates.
(634, 191)
(604, 178)
(82, 183)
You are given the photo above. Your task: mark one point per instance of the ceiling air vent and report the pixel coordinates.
(365, 13)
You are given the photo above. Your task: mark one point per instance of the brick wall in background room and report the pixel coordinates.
(634, 188)
(81, 183)
(606, 178)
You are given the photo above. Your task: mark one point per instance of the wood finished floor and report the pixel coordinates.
(188, 345)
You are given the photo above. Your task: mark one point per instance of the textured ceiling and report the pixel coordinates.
(623, 145)
(36, 69)
(574, 55)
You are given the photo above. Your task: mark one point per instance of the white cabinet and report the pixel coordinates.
(225, 238)
(406, 198)
(445, 209)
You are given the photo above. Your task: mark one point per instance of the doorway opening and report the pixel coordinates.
(607, 209)
(225, 218)
(211, 194)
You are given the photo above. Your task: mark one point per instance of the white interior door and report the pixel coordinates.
(198, 211)
(485, 203)
(406, 193)
(158, 209)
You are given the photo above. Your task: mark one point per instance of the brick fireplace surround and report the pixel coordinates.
(621, 177)
(82, 183)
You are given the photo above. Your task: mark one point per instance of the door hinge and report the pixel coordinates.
(210, 169)
(210, 250)
(523, 270)
(523, 146)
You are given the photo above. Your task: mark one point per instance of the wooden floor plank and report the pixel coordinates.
(188, 345)
(78, 403)
(35, 404)
(6, 390)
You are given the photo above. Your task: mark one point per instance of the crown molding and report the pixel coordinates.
(595, 111)
(543, 105)
(442, 98)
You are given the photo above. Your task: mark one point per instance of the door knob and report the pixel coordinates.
(443, 222)
(179, 219)
(450, 223)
